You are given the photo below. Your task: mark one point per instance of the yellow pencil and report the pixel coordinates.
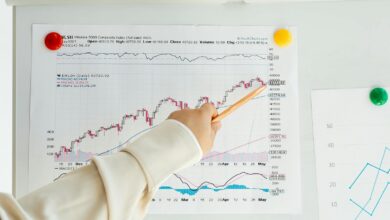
(238, 104)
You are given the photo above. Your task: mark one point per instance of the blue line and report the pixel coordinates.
(367, 165)
(361, 208)
(371, 213)
(379, 169)
(383, 192)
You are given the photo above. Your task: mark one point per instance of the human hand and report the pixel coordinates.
(199, 122)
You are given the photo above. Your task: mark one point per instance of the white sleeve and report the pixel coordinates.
(119, 186)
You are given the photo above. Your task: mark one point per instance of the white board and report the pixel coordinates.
(340, 46)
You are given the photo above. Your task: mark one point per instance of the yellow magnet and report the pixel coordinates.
(282, 37)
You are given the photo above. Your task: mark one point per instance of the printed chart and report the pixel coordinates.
(352, 144)
(108, 85)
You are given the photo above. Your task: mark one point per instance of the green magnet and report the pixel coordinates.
(378, 96)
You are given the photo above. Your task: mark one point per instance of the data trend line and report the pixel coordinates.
(149, 116)
(208, 183)
(379, 170)
(232, 149)
(152, 56)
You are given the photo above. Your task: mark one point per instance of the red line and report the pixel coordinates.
(229, 182)
(234, 148)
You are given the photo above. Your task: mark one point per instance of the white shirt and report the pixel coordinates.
(119, 186)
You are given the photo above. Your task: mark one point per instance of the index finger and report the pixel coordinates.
(209, 109)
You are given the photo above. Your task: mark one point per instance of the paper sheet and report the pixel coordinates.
(352, 146)
(109, 84)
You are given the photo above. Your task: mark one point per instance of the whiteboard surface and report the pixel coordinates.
(6, 98)
(341, 45)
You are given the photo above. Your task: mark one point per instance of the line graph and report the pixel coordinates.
(246, 157)
(81, 156)
(108, 85)
(153, 56)
(67, 153)
(379, 171)
(228, 181)
(353, 157)
(207, 185)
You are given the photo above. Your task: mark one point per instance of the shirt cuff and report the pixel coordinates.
(166, 149)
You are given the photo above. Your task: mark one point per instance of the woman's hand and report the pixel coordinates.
(199, 122)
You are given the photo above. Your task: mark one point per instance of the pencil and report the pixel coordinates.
(238, 104)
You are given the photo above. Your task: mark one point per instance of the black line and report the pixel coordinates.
(150, 58)
(217, 186)
(60, 176)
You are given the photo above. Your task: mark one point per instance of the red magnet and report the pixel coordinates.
(53, 41)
